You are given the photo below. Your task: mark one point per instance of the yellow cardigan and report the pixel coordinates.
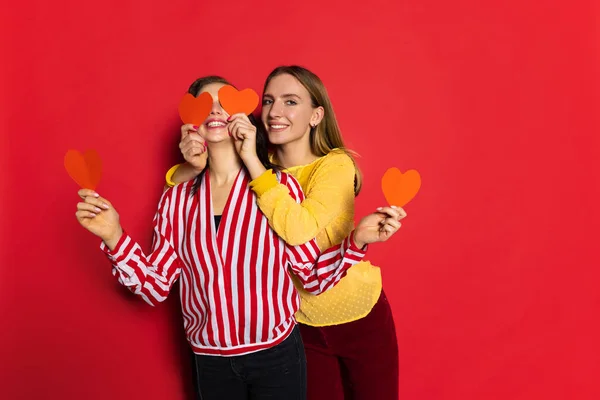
(327, 213)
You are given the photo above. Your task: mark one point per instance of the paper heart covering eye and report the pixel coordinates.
(400, 188)
(85, 169)
(238, 101)
(195, 110)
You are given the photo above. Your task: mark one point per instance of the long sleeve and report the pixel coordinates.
(169, 175)
(320, 272)
(149, 276)
(331, 191)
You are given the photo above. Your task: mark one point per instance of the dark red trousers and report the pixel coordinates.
(353, 361)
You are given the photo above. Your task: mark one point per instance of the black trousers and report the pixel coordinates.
(277, 373)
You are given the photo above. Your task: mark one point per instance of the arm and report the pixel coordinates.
(320, 272)
(149, 276)
(193, 149)
(180, 173)
(331, 192)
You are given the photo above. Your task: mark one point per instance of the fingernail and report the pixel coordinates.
(97, 209)
(229, 118)
(195, 127)
(95, 194)
(92, 215)
(105, 206)
(379, 208)
(394, 207)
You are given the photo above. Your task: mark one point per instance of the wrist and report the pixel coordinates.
(358, 241)
(254, 166)
(249, 157)
(112, 240)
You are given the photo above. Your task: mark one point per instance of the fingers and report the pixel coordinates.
(81, 214)
(91, 197)
(238, 117)
(241, 132)
(234, 129)
(390, 225)
(193, 150)
(98, 202)
(83, 193)
(84, 206)
(401, 212)
(187, 129)
(191, 138)
(192, 145)
(192, 155)
(92, 206)
(240, 127)
(397, 213)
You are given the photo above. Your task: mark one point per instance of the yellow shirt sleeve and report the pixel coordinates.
(265, 182)
(328, 192)
(169, 175)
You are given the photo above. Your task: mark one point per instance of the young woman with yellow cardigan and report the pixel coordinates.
(348, 332)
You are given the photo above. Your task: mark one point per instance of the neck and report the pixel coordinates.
(224, 163)
(295, 153)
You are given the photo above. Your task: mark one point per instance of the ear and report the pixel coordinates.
(317, 116)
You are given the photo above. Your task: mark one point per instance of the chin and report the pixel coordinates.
(274, 141)
(217, 136)
(276, 138)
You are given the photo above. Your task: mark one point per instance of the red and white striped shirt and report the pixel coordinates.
(236, 293)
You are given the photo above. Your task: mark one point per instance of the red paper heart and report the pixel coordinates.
(195, 110)
(234, 101)
(399, 188)
(85, 169)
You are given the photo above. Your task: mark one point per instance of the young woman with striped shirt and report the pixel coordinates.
(237, 296)
(349, 331)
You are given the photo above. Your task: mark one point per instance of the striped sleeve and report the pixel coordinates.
(320, 272)
(149, 276)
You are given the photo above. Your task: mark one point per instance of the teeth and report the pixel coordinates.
(215, 123)
(278, 126)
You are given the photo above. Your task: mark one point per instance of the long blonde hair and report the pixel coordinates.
(326, 136)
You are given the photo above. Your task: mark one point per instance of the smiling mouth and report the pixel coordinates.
(216, 124)
(277, 127)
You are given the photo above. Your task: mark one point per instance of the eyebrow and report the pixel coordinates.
(283, 95)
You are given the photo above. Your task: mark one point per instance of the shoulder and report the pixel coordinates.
(181, 188)
(336, 158)
(336, 165)
(176, 194)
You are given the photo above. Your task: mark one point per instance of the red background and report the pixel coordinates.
(494, 276)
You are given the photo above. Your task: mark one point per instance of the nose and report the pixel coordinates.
(275, 111)
(216, 108)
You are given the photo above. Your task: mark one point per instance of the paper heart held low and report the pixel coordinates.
(85, 169)
(234, 101)
(195, 110)
(399, 188)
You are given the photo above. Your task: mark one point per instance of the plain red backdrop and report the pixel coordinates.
(494, 276)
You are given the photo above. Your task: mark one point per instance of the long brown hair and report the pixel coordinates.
(326, 136)
(262, 150)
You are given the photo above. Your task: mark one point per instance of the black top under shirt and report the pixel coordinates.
(217, 221)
